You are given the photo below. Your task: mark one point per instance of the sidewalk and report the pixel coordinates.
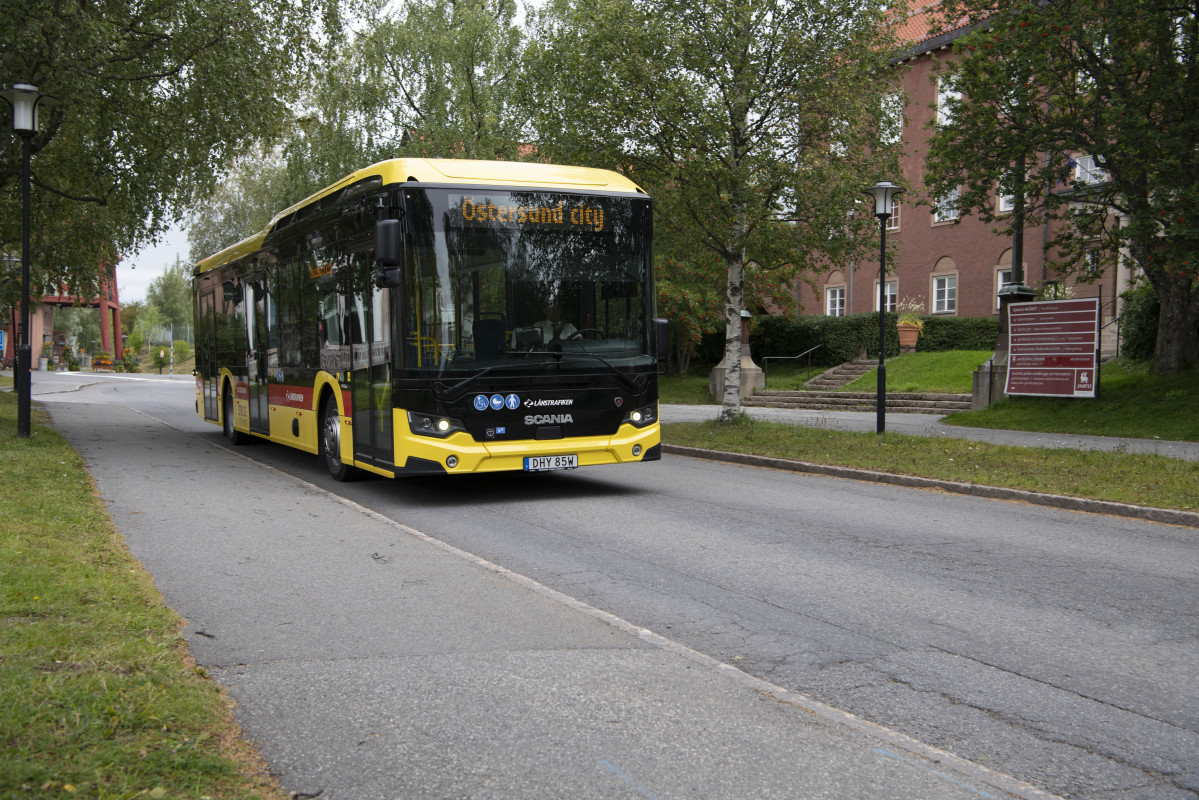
(369, 660)
(930, 425)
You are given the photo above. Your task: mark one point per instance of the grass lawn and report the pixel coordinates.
(100, 698)
(1132, 404)
(1146, 480)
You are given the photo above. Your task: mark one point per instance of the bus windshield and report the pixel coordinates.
(525, 279)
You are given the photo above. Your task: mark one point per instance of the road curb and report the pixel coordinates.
(1188, 519)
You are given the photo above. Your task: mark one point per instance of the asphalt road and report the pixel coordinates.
(1057, 647)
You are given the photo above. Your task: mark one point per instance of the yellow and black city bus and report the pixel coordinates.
(395, 322)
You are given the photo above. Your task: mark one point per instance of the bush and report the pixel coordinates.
(129, 359)
(1138, 323)
(844, 338)
(183, 350)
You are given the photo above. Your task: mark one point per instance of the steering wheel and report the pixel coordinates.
(579, 333)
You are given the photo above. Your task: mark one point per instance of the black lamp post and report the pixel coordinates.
(883, 193)
(24, 100)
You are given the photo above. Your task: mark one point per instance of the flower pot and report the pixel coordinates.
(908, 334)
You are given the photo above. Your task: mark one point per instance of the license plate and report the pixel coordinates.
(541, 463)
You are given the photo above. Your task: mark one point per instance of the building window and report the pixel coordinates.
(947, 99)
(945, 294)
(890, 295)
(1003, 277)
(834, 301)
(891, 122)
(1088, 173)
(946, 209)
(893, 220)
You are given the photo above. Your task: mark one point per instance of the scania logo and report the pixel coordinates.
(530, 403)
(548, 419)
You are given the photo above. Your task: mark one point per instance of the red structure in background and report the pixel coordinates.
(41, 322)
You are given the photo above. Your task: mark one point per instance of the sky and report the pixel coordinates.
(135, 272)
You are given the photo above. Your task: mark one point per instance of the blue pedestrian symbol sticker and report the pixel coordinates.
(512, 401)
(497, 401)
(481, 402)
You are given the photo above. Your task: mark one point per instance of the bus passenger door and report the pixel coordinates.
(369, 321)
(206, 340)
(258, 358)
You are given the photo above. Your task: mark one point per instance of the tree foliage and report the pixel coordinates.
(752, 122)
(171, 294)
(436, 78)
(1053, 83)
(431, 78)
(154, 99)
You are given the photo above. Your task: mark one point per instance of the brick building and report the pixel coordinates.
(952, 265)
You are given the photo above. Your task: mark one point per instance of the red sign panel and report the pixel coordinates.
(1053, 348)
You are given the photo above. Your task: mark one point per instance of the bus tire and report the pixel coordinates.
(330, 442)
(235, 437)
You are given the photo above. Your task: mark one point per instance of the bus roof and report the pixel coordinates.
(443, 170)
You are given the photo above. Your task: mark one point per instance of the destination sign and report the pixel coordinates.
(544, 211)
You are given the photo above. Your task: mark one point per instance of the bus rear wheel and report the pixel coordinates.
(234, 436)
(330, 442)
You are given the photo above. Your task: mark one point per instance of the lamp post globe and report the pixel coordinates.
(884, 194)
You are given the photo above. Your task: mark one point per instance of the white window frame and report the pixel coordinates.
(834, 301)
(1003, 277)
(893, 220)
(945, 94)
(891, 295)
(1087, 172)
(945, 294)
(946, 209)
(892, 119)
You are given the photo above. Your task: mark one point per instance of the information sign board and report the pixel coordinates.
(1053, 348)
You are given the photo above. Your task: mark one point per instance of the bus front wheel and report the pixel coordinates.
(331, 442)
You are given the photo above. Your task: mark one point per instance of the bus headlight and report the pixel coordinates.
(432, 425)
(641, 417)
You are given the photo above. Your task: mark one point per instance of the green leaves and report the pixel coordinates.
(1108, 86)
(154, 100)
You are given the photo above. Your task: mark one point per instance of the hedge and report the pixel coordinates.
(843, 339)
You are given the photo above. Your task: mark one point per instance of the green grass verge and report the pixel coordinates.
(98, 697)
(949, 372)
(1131, 403)
(1146, 480)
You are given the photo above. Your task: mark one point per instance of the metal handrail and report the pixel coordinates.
(808, 353)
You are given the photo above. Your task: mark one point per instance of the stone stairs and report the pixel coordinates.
(820, 394)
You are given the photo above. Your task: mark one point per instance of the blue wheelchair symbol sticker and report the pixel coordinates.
(481, 402)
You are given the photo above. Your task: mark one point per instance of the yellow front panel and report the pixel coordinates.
(500, 456)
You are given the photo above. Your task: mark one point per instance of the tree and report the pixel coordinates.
(754, 123)
(1107, 84)
(249, 194)
(154, 99)
(437, 78)
(170, 293)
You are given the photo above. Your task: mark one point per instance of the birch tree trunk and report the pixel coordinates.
(734, 298)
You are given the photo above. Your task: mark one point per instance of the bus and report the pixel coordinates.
(395, 322)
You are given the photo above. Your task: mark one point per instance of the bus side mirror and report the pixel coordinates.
(387, 243)
(662, 338)
(388, 254)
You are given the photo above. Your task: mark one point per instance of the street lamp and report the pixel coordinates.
(884, 193)
(24, 100)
